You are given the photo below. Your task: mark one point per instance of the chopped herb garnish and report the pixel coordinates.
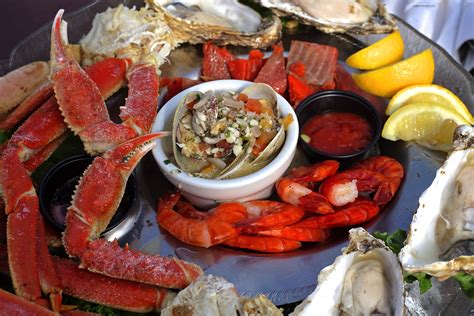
(305, 138)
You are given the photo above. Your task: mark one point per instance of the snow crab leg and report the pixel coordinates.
(31, 144)
(86, 115)
(82, 105)
(89, 215)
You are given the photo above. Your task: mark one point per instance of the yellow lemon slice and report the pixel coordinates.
(386, 81)
(381, 53)
(429, 93)
(430, 124)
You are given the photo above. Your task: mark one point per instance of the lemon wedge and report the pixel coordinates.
(429, 93)
(430, 124)
(386, 81)
(384, 52)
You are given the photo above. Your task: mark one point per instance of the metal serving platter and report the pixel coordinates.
(284, 278)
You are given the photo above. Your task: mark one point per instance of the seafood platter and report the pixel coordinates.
(236, 159)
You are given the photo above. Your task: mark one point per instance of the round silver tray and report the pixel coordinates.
(284, 278)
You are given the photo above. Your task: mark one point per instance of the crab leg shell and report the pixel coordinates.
(142, 103)
(11, 304)
(79, 98)
(30, 104)
(22, 249)
(49, 281)
(20, 83)
(90, 213)
(101, 289)
(112, 260)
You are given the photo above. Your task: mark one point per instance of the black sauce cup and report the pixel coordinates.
(337, 101)
(58, 185)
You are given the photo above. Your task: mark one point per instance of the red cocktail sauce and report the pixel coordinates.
(338, 133)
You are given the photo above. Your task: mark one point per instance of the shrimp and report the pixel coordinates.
(204, 232)
(220, 224)
(298, 187)
(266, 213)
(379, 174)
(294, 232)
(263, 243)
(354, 213)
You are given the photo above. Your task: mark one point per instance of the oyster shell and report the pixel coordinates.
(222, 21)
(441, 237)
(226, 131)
(356, 16)
(214, 296)
(139, 34)
(365, 280)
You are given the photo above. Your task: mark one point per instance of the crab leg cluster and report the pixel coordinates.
(77, 104)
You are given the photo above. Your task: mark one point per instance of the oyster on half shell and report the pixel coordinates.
(441, 237)
(365, 280)
(214, 133)
(222, 21)
(356, 16)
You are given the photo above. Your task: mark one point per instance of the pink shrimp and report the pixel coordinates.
(206, 229)
(266, 213)
(379, 174)
(292, 232)
(353, 214)
(263, 243)
(297, 188)
(212, 230)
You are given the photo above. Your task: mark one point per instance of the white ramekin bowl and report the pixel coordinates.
(207, 192)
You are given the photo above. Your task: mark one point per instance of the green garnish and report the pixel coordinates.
(424, 280)
(466, 282)
(393, 241)
(305, 138)
(167, 161)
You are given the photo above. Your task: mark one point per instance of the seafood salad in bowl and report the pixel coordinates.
(231, 140)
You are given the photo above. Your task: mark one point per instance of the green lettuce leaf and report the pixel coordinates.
(466, 282)
(393, 241)
(424, 280)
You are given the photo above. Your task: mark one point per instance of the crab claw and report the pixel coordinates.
(90, 213)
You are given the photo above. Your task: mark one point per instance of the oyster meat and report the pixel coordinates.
(218, 135)
(356, 16)
(441, 236)
(222, 21)
(365, 280)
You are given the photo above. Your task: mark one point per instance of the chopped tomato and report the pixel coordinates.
(253, 105)
(243, 97)
(257, 106)
(262, 142)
